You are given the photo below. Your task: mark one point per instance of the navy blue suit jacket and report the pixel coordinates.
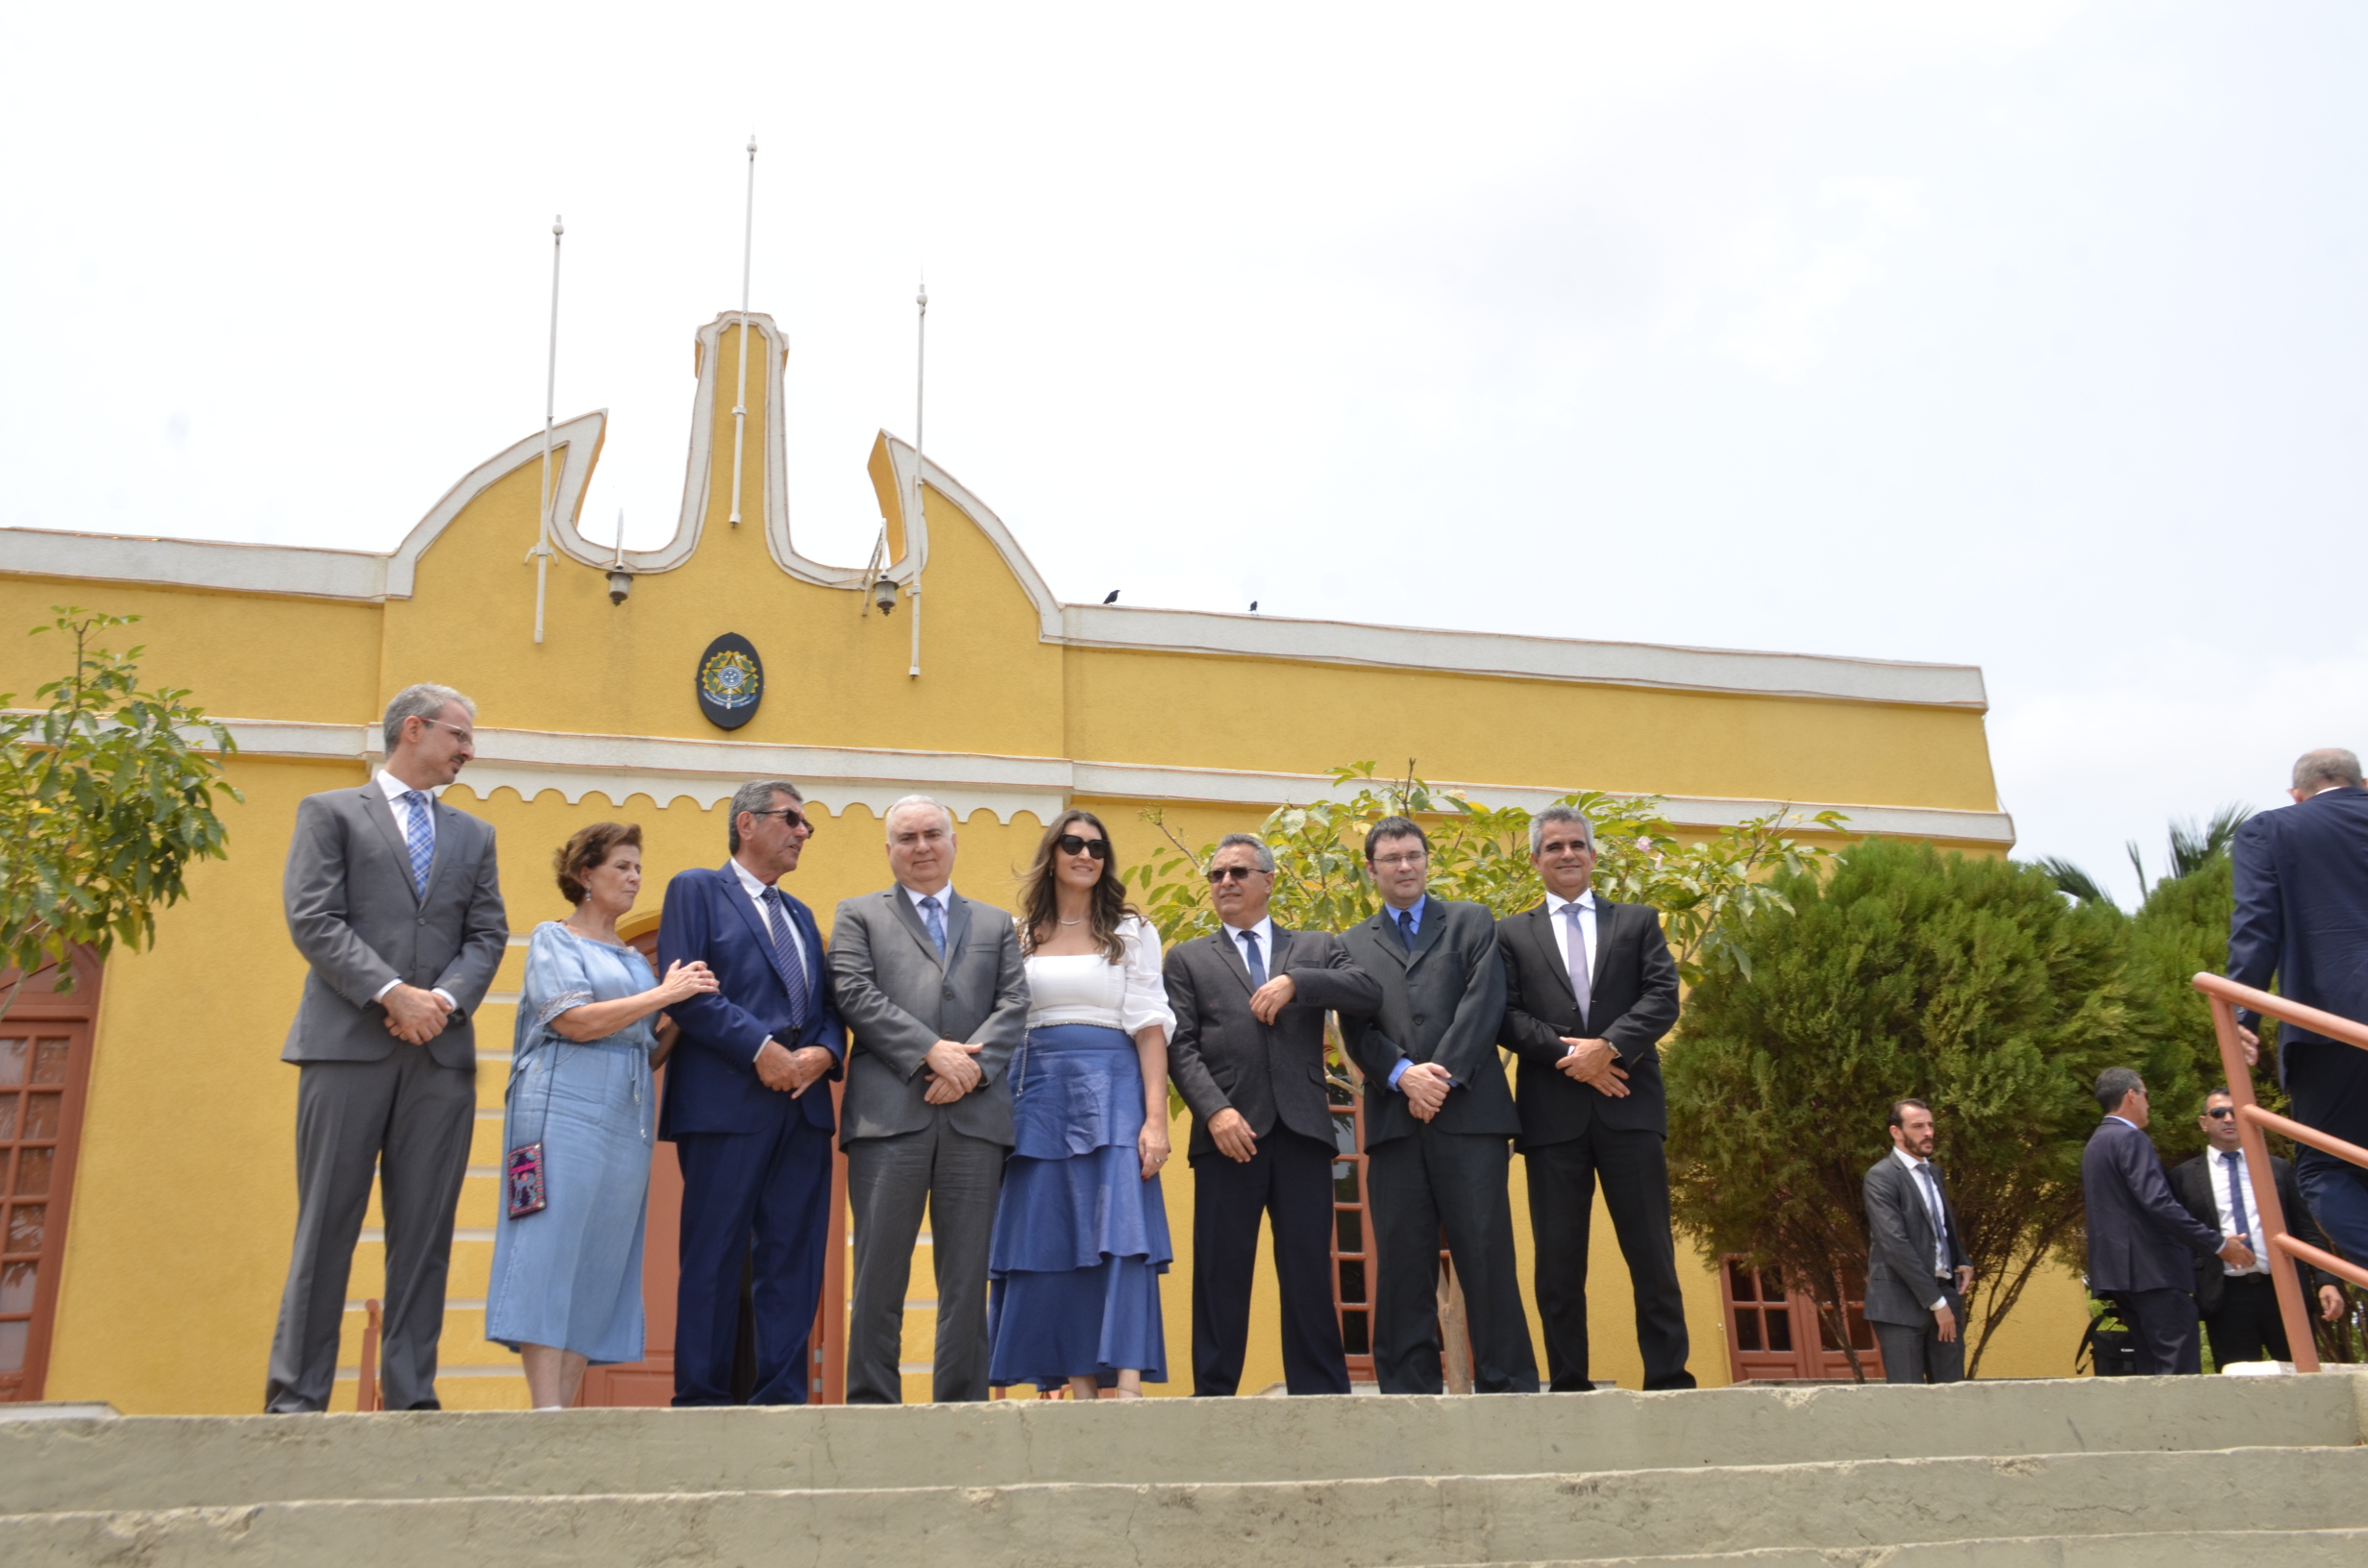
(2139, 1237)
(2302, 917)
(711, 1082)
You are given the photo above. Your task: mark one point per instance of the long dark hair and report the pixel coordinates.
(1040, 907)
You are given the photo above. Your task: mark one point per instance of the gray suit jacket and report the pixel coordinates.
(356, 919)
(1223, 1058)
(1903, 1276)
(899, 998)
(1443, 1003)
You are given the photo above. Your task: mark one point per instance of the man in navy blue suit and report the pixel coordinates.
(745, 1109)
(2302, 917)
(2142, 1243)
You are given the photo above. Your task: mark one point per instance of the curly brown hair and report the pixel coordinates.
(1040, 906)
(587, 848)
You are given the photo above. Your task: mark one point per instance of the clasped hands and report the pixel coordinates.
(1594, 1064)
(791, 1072)
(416, 1016)
(954, 1071)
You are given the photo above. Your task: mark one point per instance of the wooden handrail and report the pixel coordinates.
(2225, 996)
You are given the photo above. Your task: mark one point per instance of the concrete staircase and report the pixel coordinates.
(2088, 1473)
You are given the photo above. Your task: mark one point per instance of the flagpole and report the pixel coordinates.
(740, 402)
(551, 389)
(916, 530)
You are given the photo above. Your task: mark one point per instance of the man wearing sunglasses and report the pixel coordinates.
(745, 1110)
(1247, 1055)
(2239, 1304)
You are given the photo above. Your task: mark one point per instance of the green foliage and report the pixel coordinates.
(2072, 879)
(1481, 856)
(2181, 930)
(105, 801)
(1970, 984)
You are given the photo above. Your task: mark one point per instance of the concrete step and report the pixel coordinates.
(146, 1463)
(1827, 1508)
(2198, 1549)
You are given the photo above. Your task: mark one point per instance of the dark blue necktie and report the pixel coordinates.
(2236, 1198)
(1249, 956)
(1406, 928)
(785, 955)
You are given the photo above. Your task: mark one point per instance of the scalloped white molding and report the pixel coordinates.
(704, 772)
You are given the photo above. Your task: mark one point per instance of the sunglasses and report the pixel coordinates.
(793, 819)
(2225, 1113)
(1232, 873)
(1071, 845)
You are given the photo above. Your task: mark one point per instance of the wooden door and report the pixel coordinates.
(44, 1075)
(1776, 1334)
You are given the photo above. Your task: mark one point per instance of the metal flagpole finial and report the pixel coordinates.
(551, 387)
(740, 400)
(557, 227)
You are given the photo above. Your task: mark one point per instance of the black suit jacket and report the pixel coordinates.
(2302, 916)
(2140, 1239)
(1902, 1260)
(1443, 1003)
(1634, 986)
(2198, 1182)
(1220, 1057)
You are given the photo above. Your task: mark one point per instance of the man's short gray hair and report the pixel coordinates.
(2325, 769)
(756, 795)
(916, 801)
(1538, 823)
(428, 700)
(1250, 841)
(2113, 1086)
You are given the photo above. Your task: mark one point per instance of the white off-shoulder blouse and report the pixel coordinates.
(1087, 988)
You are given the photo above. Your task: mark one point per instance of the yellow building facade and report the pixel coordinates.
(184, 1193)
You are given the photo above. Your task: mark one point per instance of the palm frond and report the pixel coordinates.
(2194, 847)
(2071, 879)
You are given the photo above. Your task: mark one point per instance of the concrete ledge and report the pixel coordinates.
(1351, 1524)
(188, 1461)
(2201, 1549)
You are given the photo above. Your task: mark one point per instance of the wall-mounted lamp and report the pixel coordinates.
(884, 595)
(620, 575)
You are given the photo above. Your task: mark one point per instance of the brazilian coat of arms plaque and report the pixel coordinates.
(730, 681)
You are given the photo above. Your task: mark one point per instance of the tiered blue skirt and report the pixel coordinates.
(1080, 1237)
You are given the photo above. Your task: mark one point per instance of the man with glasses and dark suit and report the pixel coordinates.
(1918, 1271)
(1590, 989)
(1437, 1123)
(2239, 1304)
(1247, 1055)
(745, 1107)
(933, 991)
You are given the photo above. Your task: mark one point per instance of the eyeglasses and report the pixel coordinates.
(468, 737)
(1233, 873)
(791, 818)
(1071, 845)
(1395, 861)
(2226, 1113)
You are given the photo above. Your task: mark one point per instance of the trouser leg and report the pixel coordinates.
(2242, 1326)
(419, 1189)
(2337, 1193)
(792, 1226)
(1300, 1198)
(1945, 1359)
(341, 1115)
(1406, 1343)
(1634, 1169)
(963, 1189)
(1476, 1210)
(1562, 1208)
(720, 1176)
(2164, 1322)
(1903, 1346)
(1228, 1198)
(887, 1191)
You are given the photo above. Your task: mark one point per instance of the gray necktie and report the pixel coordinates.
(935, 921)
(1940, 1222)
(1249, 956)
(2236, 1198)
(1582, 964)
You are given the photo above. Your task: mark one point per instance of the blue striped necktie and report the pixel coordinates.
(785, 953)
(419, 838)
(935, 921)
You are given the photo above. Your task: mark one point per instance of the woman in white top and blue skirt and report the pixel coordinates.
(1081, 1230)
(566, 1290)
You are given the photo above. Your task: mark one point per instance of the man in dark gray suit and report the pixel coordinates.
(933, 991)
(1918, 1271)
(2141, 1242)
(393, 899)
(1437, 1123)
(1247, 1057)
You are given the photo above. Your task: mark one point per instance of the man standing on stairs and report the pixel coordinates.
(1917, 1271)
(935, 992)
(394, 900)
(2140, 1241)
(1438, 1121)
(2239, 1305)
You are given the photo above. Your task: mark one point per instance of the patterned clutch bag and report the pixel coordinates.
(522, 1179)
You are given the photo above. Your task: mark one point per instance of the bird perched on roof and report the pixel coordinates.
(1254, 606)
(1113, 599)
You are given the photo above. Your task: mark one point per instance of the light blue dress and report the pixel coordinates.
(569, 1274)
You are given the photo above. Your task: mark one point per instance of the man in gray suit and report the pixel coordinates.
(933, 991)
(393, 900)
(1918, 1270)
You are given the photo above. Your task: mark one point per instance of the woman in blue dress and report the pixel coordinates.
(1081, 1230)
(566, 1290)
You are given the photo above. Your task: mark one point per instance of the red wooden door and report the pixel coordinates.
(45, 1077)
(1776, 1334)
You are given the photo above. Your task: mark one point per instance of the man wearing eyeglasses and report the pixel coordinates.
(745, 1107)
(394, 900)
(1439, 1122)
(2239, 1303)
(1247, 1055)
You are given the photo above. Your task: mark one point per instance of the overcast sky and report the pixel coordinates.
(2021, 335)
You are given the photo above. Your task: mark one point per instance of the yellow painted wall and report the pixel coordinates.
(184, 1195)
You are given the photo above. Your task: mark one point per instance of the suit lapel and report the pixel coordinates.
(957, 924)
(1541, 928)
(446, 819)
(911, 918)
(1229, 954)
(1386, 937)
(382, 815)
(1426, 934)
(1277, 961)
(1607, 920)
(738, 898)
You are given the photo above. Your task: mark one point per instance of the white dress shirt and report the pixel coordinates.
(945, 902)
(757, 892)
(2217, 1163)
(1561, 924)
(1264, 931)
(394, 789)
(1925, 1195)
